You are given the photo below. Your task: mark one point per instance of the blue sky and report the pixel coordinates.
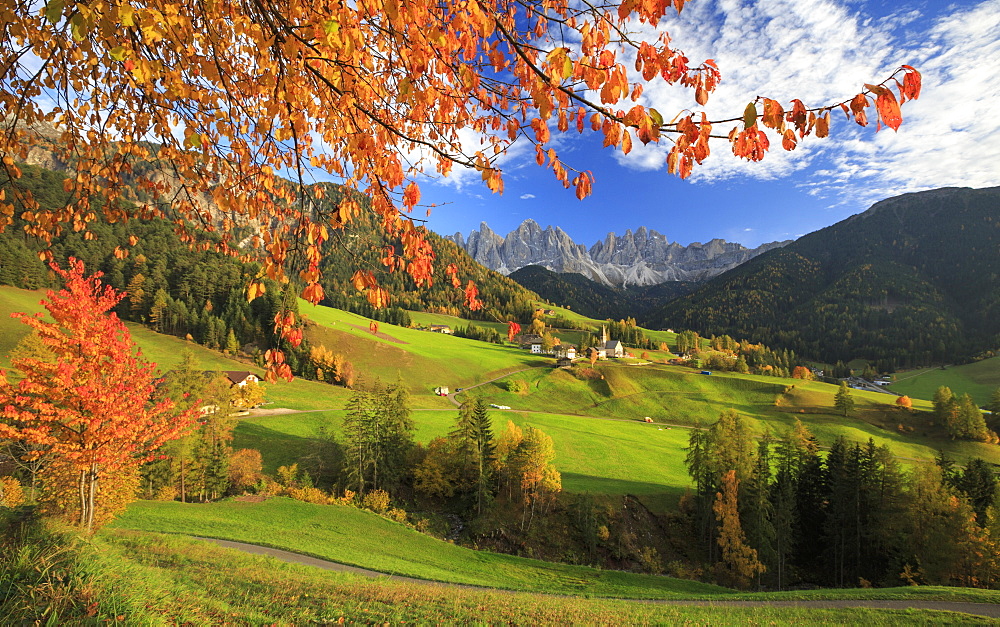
(821, 51)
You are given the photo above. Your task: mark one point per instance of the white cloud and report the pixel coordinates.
(821, 52)
(747, 230)
(527, 196)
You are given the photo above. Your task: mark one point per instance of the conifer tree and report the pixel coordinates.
(843, 400)
(739, 564)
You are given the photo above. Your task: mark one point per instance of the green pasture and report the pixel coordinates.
(360, 538)
(163, 350)
(141, 578)
(676, 395)
(426, 319)
(604, 447)
(978, 379)
(423, 359)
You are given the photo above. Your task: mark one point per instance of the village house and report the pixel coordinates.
(566, 350)
(441, 328)
(239, 378)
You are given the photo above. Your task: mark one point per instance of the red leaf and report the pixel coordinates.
(513, 329)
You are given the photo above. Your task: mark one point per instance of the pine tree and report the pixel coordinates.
(485, 448)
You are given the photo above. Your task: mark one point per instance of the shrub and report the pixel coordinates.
(377, 501)
(309, 495)
(288, 475)
(397, 514)
(245, 469)
(649, 560)
(516, 386)
(347, 499)
(11, 494)
(166, 493)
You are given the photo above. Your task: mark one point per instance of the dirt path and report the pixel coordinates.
(978, 609)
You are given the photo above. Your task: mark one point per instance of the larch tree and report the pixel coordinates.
(90, 408)
(739, 565)
(184, 108)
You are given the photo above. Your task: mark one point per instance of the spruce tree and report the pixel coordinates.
(843, 400)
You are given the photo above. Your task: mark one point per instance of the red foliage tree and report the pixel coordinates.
(90, 408)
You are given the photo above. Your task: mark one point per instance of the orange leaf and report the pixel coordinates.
(254, 290)
(888, 109)
(788, 141)
(911, 83)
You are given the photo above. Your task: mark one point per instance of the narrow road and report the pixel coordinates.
(978, 609)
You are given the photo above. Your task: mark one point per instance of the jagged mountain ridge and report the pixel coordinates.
(640, 258)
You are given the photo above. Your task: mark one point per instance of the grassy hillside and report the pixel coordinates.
(360, 538)
(131, 577)
(424, 360)
(978, 379)
(602, 446)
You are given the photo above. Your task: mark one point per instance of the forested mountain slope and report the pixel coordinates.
(590, 298)
(213, 285)
(915, 279)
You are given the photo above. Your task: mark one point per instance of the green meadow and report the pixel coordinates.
(423, 360)
(141, 578)
(978, 379)
(361, 538)
(603, 447)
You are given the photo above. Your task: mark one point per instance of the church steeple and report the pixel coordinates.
(604, 335)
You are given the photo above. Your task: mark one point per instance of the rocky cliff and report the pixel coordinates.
(643, 257)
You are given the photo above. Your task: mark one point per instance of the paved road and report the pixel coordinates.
(979, 609)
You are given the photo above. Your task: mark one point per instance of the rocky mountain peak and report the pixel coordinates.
(640, 257)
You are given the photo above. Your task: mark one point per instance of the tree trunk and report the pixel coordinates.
(81, 487)
(92, 497)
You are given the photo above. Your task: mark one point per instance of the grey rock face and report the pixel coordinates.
(644, 257)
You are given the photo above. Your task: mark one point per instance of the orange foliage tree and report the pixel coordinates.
(89, 408)
(801, 372)
(740, 563)
(228, 97)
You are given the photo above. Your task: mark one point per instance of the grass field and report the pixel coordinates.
(181, 581)
(678, 395)
(11, 331)
(360, 538)
(425, 360)
(131, 577)
(978, 379)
